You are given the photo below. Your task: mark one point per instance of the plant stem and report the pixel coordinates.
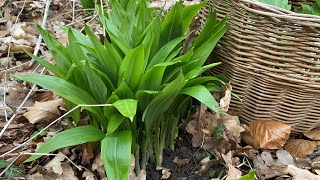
(137, 159)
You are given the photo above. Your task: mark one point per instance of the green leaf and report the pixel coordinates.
(54, 69)
(114, 122)
(3, 164)
(218, 131)
(127, 107)
(162, 101)
(199, 70)
(70, 137)
(132, 67)
(105, 62)
(57, 50)
(115, 35)
(152, 79)
(123, 91)
(14, 172)
(202, 53)
(249, 176)
(96, 85)
(116, 154)
(203, 95)
(63, 88)
(171, 27)
(188, 14)
(165, 51)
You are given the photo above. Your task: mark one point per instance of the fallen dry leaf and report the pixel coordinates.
(301, 174)
(206, 164)
(314, 134)
(225, 101)
(233, 173)
(180, 162)
(55, 164)
(88, 153)
(269, 134)
(98, 165)
(300, 148)
(165, 172)
(44, 111)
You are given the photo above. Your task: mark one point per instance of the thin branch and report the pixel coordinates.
(53, 122)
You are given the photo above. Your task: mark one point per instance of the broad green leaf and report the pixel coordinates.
(54, 69)
(249, 176)
(87, 4)
(114, 33)
(132, 67)
(109, 110)
(116, 154)
(56, 49)
(202, 80)
(203, 52)
(199, 70)
(124, 92)
(210, 26)
(144, 97)
(165, 51)
(203, 95)
(62, 88)
(173, 70)
(127, 107)
(171, 27)
(75, 114)
(188, 14)
(97, 86)
(70, 137)
(114, 121)
(104, 60)
(162, 101)
(152, 79)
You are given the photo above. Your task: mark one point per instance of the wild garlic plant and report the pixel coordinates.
(142, 74)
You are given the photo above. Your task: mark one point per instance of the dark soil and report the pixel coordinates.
(183, 149)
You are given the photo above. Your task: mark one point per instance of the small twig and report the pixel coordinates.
(53, 122)
(7, 63)
(40, 154)
(31, 63)
(43, 25)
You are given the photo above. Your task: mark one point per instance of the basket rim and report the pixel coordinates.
(279, 12)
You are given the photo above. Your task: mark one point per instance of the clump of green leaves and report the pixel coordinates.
(313, 9)
(142, 75)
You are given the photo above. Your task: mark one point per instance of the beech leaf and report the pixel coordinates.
(314, 134)
(269, 134)
(300, 148)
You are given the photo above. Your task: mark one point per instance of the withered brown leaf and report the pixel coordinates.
(269, 134)
(44, 111)
(314, 134)
(300, 148)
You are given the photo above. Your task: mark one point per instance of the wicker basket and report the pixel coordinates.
(272, 57)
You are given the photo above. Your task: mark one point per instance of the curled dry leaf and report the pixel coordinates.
(44, 111)
(55, 164)
(233, 173)
(165, 172)
(268, 134)
(300, 148)
(301, 174)
(314, 134)
(180, 162)
(225, 101)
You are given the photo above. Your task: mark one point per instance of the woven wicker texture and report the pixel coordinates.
(272, 57)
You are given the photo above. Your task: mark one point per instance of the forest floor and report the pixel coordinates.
(202, 150)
